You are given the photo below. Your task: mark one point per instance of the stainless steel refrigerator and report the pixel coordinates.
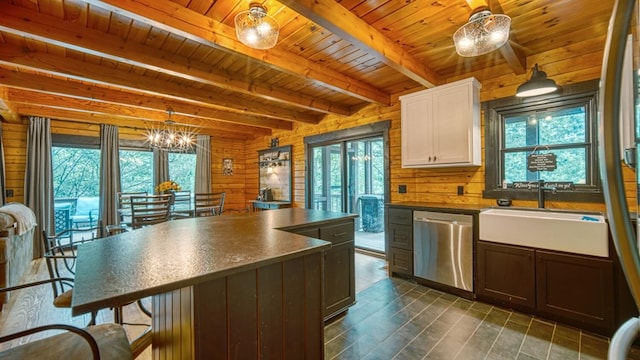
(624, 21)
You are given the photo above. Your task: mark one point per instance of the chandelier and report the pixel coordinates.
(483, 33)
(257, 29)
(170, 138)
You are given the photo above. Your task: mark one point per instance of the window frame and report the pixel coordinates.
(494, 112)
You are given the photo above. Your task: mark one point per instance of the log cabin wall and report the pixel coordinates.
(440, 185)
(14, 138)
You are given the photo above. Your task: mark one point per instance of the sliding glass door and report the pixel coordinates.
(349, 176)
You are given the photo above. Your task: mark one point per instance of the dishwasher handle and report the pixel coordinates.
(445, 222)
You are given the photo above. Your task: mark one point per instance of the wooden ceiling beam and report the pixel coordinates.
(514, 57)
(123, 111)
(340, 21)
(21, 80)
(7, 109)
(24, 22)
(175, 18)
(83, 71)
(97, 118)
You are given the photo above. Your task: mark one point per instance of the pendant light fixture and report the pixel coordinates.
(257, 29)
(483, 33)
(537, 85)
(170, 138)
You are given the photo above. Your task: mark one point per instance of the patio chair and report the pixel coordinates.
(209, 204)
(86, 212)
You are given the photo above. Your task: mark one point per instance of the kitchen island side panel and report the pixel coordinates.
(253, 302)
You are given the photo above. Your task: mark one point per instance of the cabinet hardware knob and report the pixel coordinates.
(339, 234)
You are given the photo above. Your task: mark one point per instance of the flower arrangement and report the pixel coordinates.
(165, 186)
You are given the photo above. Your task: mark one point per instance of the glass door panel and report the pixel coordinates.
(326, 177)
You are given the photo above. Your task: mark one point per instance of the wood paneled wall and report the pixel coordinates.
(14, 138)
(440, 185)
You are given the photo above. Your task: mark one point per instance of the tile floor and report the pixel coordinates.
(397, 319)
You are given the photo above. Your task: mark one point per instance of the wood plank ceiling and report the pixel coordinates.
(128, 62)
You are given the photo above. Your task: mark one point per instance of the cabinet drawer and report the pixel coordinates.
(401, 216)
(338, 233)
(401, 261)
(401, 236)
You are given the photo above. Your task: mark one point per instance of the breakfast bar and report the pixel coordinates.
(222, 286)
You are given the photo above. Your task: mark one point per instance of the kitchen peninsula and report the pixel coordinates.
(222, 287)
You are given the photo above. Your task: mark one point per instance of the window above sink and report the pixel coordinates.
(562, 125)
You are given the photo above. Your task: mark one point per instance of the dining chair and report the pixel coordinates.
(124, 205)
(181, 207)
(209, 204)
(104, 341)
(150, 209)
(61, 268)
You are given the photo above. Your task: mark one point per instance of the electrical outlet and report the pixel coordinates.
(9, 193)
(402, 189)
(460, 190)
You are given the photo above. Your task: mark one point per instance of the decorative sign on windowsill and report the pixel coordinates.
(533, 185)
(542, 162)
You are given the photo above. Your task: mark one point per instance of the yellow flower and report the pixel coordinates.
(167, 185)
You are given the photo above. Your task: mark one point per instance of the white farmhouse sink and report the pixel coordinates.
(563, 231)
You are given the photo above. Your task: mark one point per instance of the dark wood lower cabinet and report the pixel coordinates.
(506, 274)
(576, 288)
(339, 278)
(339, 264)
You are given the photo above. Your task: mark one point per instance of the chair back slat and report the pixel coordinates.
(150, 209)
(209, 204)
(124, 205)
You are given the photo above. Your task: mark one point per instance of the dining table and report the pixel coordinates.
(221, 286)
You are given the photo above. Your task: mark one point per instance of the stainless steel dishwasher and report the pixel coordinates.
(443, 248)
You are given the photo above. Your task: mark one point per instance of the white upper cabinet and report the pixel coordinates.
(441, 126)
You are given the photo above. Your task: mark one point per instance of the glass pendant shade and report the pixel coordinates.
(256, 29)
(483, 33)
(537, 85)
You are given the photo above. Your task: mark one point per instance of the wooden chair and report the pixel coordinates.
(124, 205)
(150, 209)
(209, 204)
(181, 207)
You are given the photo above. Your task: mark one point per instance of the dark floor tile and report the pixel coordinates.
(335, 346)
(538, 339)
(396, 341)
(523, 356)
(509, 340)
(422, 344)
(567, 332)
(563, 348)
(593, 347)
(479, 344)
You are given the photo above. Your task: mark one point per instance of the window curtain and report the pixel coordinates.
(203, 164)
(109, 175)
(38, 184)
(160, 166)
(3, 179)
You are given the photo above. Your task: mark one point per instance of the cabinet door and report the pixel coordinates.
(339, 278)
(401, 236)
(416, 129)
(400, 261)
(506, 274)
(576, 288)
(452, 125)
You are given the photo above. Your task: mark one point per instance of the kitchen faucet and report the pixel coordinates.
(541, 190)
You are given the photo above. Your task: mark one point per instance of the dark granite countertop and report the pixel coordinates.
(123, 268)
